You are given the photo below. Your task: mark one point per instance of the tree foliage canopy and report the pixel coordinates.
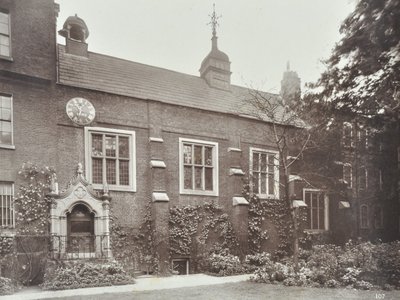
(363, 72)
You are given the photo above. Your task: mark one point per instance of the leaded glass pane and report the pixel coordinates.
(124, 172)
(97, 145)
(263, 162)
(208, 156)
(208, 179)
(123, 147)
(263, 183)
(198, 178)
(97, 170)
(198, 155)
(256, 158)
(188, 178)
(187, 154)
(271, 184)
(111, 171)
(111, 145)
(256, 177)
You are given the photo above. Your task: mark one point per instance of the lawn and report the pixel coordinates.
(247, 290)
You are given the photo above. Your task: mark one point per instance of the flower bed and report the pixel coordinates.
(357, 265)
(74, 275)
(6, 286)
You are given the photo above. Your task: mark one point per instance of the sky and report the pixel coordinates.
(259, 36)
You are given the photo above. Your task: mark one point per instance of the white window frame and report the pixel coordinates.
(363, 170)
(276, 172)
(182, 190)
(11, 145)
(348, 165)
(326, 209)
(347, 124)
(9, 56)
(4, 202)
(132, 158)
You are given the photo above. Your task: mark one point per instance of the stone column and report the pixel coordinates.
(105, 243)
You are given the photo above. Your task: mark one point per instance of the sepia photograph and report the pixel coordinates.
(188, 149)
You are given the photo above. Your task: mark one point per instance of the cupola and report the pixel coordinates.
(75, 32)
(216, 67)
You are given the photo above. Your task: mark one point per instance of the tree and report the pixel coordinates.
(290, 137)
(363, 72)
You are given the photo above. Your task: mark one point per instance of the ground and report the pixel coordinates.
(246, 290)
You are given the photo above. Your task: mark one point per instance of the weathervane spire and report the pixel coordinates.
(214, 24)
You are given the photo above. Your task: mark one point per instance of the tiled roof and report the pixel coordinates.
(122, 77)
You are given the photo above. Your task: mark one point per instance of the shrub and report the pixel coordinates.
(74, 275)
(357, 265)
(222, 264)
(6, 286)
(252, 262)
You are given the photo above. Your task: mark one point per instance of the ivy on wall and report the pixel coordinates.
(32, 204)
(199, 230)
(135, 248)
(274, 210)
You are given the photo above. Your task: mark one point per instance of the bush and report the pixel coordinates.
(74, 275)
(6, 286)
(357, 265)
(252, 262)
(222, 264)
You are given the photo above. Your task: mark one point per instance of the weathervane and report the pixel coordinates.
(214, 21)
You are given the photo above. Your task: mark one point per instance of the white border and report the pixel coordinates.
(215, 190)
(276, 172)
(132, 153)
(326, 209)
(10, 146)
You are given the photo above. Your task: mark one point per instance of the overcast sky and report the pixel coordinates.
(259, 36)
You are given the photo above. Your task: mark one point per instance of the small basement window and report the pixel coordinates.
(181, 265)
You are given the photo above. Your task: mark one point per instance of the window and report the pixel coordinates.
(362, 138)
(5, 41)
(6, 136)
(378, 217)
(317, 209)
(6, 204)
(364, 223)
(363, 179)
(198, 167)
(347, 134)
(347, 174)
(264, 172)
(110, 158)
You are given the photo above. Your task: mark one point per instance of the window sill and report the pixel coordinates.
(315, 231)
(267, 197)
(5, 146)
(199, 193)
(8, 58)
(114, 188)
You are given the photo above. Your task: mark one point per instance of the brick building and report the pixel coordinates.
(116, 128)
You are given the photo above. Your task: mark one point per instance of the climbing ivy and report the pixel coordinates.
(274, 210)
(196, 231)
(135, 248)
(32, 203)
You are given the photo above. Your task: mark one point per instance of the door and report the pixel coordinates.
(80, 237)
